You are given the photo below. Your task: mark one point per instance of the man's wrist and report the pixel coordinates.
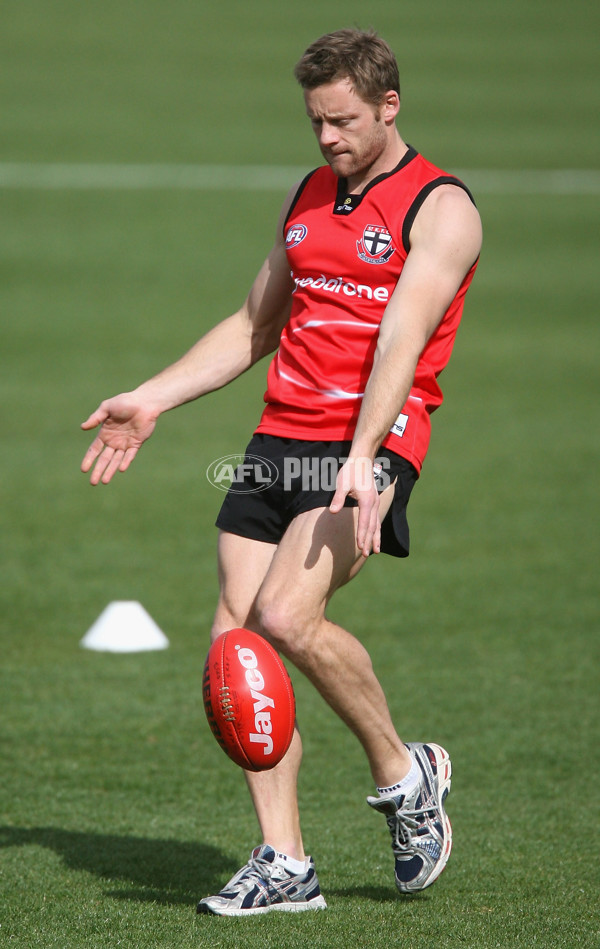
(357, 473)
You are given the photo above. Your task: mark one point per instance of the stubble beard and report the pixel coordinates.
(357, 163)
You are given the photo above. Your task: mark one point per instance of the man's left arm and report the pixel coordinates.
(445, 242)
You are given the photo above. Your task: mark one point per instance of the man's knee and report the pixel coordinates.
(281, 623)
(220, 625)
(227, 618)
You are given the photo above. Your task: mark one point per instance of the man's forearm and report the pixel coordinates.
(385, 395)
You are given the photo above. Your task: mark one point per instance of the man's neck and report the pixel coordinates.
(386, 162)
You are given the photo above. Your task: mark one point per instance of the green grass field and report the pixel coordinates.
(118, 811)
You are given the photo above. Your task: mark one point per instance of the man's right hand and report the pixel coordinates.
(126, 424)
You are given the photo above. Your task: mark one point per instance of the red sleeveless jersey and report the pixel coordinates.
(346, 254)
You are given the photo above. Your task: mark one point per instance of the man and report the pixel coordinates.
(361, 295)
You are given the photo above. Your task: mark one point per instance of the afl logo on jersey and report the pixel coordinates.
(376, 245)
(295, 235)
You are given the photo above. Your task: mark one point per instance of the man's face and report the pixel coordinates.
(351, 133)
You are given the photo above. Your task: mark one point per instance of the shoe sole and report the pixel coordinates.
(292, 907)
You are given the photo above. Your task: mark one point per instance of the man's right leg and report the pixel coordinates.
(243, 565)
(269, 881)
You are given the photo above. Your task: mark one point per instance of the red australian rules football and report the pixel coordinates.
(248, 699)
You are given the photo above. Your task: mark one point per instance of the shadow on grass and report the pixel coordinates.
(161, 871)
(378, 894)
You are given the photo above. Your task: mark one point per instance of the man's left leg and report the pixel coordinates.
(314, 558)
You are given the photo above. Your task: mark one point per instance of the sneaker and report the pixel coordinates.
(420, 828)
(264, 885)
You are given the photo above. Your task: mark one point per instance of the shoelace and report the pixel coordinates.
(403, 824)
(259, 868)
(262, 869)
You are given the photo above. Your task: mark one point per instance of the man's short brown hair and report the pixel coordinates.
(358, 55)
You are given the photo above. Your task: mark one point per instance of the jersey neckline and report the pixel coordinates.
(346, 202)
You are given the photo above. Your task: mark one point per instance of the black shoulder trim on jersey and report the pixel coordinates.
(413, 210)
(296, 197)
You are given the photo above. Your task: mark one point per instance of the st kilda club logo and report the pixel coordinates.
(376, 245)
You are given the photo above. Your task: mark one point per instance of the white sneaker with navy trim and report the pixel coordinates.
(420, 828)
(265, 884)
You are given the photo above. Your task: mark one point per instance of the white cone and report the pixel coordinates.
(124, 626)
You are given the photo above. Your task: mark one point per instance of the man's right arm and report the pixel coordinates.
(224, 353)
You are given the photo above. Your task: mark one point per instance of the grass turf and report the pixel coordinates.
(117, 809)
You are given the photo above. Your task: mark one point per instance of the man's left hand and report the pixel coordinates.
(355, 479)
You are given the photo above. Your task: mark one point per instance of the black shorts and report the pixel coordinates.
(281, 478)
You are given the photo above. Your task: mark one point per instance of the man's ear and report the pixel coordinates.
(390, 106)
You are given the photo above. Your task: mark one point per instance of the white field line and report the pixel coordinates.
(138, 177)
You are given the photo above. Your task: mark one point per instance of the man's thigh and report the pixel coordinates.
(243, 564)
(317, 554)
